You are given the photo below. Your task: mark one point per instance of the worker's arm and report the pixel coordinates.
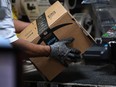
(20, 25)
(30, 49)
(59, 50)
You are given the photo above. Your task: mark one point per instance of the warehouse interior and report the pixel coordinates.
(92, 23)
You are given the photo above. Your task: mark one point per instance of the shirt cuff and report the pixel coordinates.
(13, 39)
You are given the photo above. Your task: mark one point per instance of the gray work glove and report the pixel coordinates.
(63, 53)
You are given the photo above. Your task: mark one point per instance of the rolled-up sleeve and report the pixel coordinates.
(7, 29)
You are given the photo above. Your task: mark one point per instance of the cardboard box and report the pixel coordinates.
(55, 24)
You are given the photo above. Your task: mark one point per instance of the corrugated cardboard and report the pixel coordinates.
(55, 24)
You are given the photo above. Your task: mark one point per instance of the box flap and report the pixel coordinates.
(54, 12)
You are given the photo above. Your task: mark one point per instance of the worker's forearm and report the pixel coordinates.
(30, 49)
(20, 25)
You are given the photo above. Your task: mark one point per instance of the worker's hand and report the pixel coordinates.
(63, 53)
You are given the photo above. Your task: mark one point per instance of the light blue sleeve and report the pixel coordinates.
(7, 29)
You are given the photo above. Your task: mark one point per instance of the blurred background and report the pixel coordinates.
(98, 17)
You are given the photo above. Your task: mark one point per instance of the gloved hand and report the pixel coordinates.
(63, 53)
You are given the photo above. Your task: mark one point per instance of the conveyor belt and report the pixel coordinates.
(81, 74)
